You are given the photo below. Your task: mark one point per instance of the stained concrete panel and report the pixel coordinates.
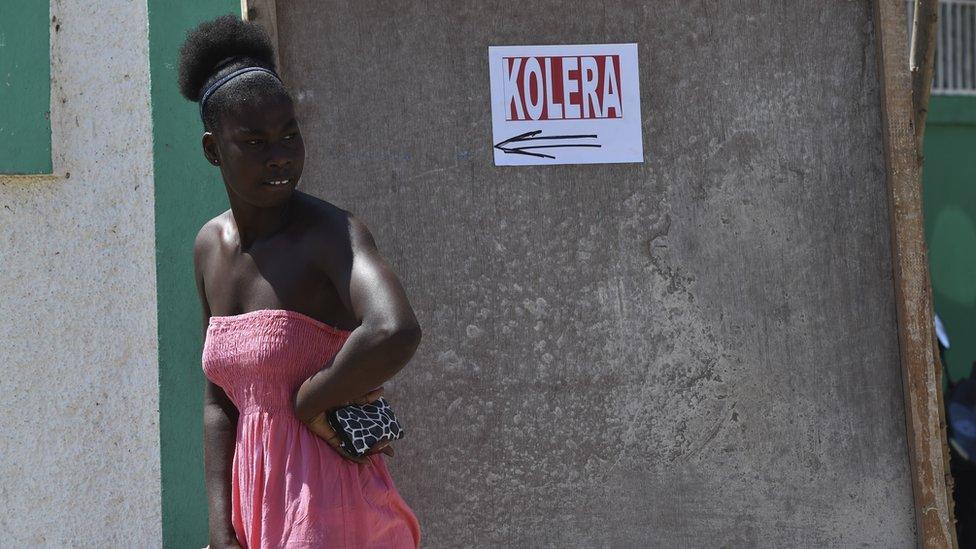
(79, 370)
(696, 351)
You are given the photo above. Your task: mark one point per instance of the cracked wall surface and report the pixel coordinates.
(699, 350)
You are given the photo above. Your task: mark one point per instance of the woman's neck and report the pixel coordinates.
(255, 223)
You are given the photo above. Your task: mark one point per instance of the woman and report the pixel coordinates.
(301, 315)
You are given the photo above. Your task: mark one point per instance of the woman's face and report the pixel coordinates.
(259, 149)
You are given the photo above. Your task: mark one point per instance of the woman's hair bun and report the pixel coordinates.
(217, 43)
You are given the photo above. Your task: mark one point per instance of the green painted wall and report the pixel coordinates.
(189, 191)
(25, 87)
(949, 194)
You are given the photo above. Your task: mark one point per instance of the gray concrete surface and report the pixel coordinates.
(79, 378)
(697, 351)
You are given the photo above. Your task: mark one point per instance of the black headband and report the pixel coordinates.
(213, 87)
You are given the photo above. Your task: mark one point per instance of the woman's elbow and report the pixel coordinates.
(402, 340)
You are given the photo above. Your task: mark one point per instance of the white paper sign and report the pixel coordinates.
(565, 104)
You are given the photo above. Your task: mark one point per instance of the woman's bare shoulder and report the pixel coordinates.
(332, 232)
(337, 221)
(326, 221)
(209, 236)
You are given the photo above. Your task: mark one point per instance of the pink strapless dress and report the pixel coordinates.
(290, 489)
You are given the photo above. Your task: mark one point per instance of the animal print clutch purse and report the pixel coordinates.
(362, 427)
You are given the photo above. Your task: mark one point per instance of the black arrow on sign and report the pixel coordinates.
(531, 136)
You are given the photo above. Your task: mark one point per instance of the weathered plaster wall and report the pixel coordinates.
(950, 223)
(78, 353)
(698, 351)
(189, 191)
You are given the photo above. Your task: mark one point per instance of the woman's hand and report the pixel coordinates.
(321, 427)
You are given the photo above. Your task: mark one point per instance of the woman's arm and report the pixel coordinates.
(219, 435)
(384, 341)
(219, 432)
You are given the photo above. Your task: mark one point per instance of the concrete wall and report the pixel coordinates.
(697, 351)
(78, 356)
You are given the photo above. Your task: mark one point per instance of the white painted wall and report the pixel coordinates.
(79, 455)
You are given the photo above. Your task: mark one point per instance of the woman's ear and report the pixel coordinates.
(210, 148)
